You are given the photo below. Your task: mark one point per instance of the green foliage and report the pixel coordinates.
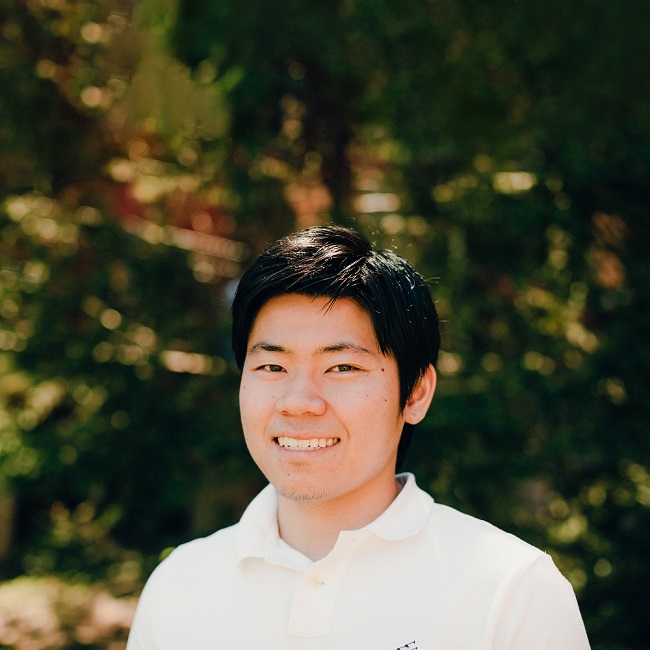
(504, 150)
(95, 410)
(117, 394)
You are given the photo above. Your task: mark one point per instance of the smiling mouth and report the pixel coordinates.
(302, 444)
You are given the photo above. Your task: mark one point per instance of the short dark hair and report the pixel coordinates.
(336, 262)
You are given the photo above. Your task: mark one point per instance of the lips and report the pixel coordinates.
(302, 444)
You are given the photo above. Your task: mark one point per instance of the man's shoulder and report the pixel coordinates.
(199, 553)
(455, 534)
(462, 533)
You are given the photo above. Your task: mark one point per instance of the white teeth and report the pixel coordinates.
(313, 443)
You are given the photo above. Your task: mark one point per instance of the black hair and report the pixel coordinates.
(336, 262)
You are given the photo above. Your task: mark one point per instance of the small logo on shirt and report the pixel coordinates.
(409, 646)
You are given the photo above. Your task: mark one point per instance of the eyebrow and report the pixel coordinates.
(265, 346)
(342, 346)
(346, 346)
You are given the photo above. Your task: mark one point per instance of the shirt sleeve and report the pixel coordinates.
(541, 613)
(143, 630)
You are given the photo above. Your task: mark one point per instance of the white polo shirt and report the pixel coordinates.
(421, 576)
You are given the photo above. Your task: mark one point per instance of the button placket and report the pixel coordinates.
(314, 603)
(316, 595)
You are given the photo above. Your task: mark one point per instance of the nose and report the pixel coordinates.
(301, 396)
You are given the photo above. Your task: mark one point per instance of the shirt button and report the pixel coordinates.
(315, 582)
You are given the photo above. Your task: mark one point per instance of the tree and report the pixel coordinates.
(116, 371)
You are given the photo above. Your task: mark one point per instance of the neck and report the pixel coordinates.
(313, 527)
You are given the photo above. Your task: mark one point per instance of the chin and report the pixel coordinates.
(301, 493)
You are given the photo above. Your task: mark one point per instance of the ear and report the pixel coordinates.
(418, 403)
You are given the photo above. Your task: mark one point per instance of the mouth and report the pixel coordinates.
(303, 444)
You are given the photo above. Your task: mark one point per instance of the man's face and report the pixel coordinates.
(319, 401)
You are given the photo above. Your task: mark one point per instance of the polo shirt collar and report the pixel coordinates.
(406, 515)
(257, 532)
(258, 536)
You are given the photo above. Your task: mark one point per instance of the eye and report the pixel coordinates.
(271, 367)
(343, 367)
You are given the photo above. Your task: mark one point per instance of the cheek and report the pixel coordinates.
(255, 405)
(246, 410)
(247, 392)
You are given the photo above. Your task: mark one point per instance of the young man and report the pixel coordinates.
(337, 345)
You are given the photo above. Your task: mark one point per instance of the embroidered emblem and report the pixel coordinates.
(409, 646)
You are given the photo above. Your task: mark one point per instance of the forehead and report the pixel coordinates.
(298, 316)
